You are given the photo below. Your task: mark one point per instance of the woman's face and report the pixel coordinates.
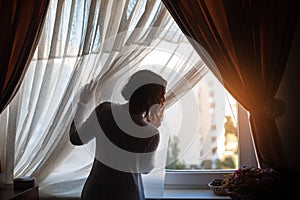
(162, 99)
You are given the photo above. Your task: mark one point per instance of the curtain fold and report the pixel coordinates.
(103, 41)
(21, 27)
(249, 41)
(22, 24)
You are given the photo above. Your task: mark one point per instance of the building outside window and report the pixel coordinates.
(215, 149)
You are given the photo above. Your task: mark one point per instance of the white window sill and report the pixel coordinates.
(191, 194)
(169, 194)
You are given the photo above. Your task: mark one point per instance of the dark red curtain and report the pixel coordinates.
(249, 41)
(21, 24)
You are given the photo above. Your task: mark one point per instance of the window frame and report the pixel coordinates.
(198, 179)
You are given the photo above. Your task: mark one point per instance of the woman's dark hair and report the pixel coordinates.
(144, 89)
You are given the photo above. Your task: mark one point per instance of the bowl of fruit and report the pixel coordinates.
(217, 188)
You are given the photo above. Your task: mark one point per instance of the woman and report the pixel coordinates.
(126, 138)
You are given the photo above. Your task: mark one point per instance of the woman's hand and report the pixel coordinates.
(155, 115)
(88, 92)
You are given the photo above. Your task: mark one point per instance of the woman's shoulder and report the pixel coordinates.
(107, 107)
(151, 127)
(103, 108)
(103, 105)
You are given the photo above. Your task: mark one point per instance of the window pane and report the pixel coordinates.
(214, 142)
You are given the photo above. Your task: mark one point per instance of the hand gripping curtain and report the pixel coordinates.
(21, 26)
(249, 41)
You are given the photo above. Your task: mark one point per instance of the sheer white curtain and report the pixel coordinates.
(105, 41)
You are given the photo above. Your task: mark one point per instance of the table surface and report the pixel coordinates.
(8, 192)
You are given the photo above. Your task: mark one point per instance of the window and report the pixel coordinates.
(221, 142)
(209, 134)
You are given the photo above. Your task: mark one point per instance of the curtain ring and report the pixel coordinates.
(274, 108)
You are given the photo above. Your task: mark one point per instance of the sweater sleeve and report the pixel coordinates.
(147, 159)
(73, 135)
(83, 133)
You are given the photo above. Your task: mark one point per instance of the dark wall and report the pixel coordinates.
(289, 92)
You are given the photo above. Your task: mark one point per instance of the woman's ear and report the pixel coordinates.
(147, 116)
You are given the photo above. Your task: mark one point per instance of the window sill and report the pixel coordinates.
(200, 194)
(169, 194)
